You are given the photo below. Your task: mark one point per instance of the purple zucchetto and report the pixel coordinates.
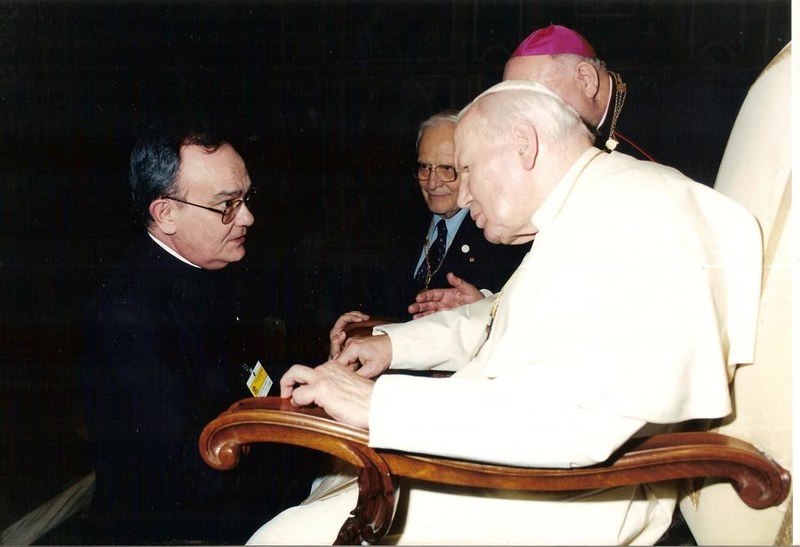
(554, 40)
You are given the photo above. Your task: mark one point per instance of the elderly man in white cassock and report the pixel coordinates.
(564, 61)
(636, 302)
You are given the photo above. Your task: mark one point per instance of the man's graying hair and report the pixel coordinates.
(156, 158)
(513, 101)
(441, 118)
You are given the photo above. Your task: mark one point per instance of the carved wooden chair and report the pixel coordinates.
(756, 479)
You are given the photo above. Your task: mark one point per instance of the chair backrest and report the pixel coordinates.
(756, 172)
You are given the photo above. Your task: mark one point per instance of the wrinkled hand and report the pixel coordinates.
(342, 393)
(337, 335)
(433, 300)
(368, 356)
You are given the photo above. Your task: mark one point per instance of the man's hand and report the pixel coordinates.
(368, 356)
(434, 300)
(341, 392)
(337, 335)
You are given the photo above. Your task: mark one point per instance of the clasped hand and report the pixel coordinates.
(341, 386)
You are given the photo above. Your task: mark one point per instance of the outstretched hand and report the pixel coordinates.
(433, 300)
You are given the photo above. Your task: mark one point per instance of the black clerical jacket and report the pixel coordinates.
(167, 349)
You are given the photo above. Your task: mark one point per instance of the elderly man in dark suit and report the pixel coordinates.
(167, 338)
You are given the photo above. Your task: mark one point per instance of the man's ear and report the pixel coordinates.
(162, 210)
(588, 79)
(526, 139)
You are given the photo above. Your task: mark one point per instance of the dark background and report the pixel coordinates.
(324, 98)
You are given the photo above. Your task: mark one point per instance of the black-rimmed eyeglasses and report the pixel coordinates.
(446, 173)
(231, 206)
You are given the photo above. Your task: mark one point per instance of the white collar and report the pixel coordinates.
(170, 250)
(553, 203)
(608, 103)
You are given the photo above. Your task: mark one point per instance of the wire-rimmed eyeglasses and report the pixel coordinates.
(231, 206)
(446, 173)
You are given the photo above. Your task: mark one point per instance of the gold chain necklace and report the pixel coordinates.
(620, 92)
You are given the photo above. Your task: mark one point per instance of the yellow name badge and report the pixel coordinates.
(259, 382)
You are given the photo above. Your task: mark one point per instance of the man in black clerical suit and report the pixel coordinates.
(453, 244)
(169, 344)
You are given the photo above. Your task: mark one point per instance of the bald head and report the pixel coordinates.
(564, 61)
(582, 83)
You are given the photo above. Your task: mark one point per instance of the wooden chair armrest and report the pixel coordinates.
(758, 480)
